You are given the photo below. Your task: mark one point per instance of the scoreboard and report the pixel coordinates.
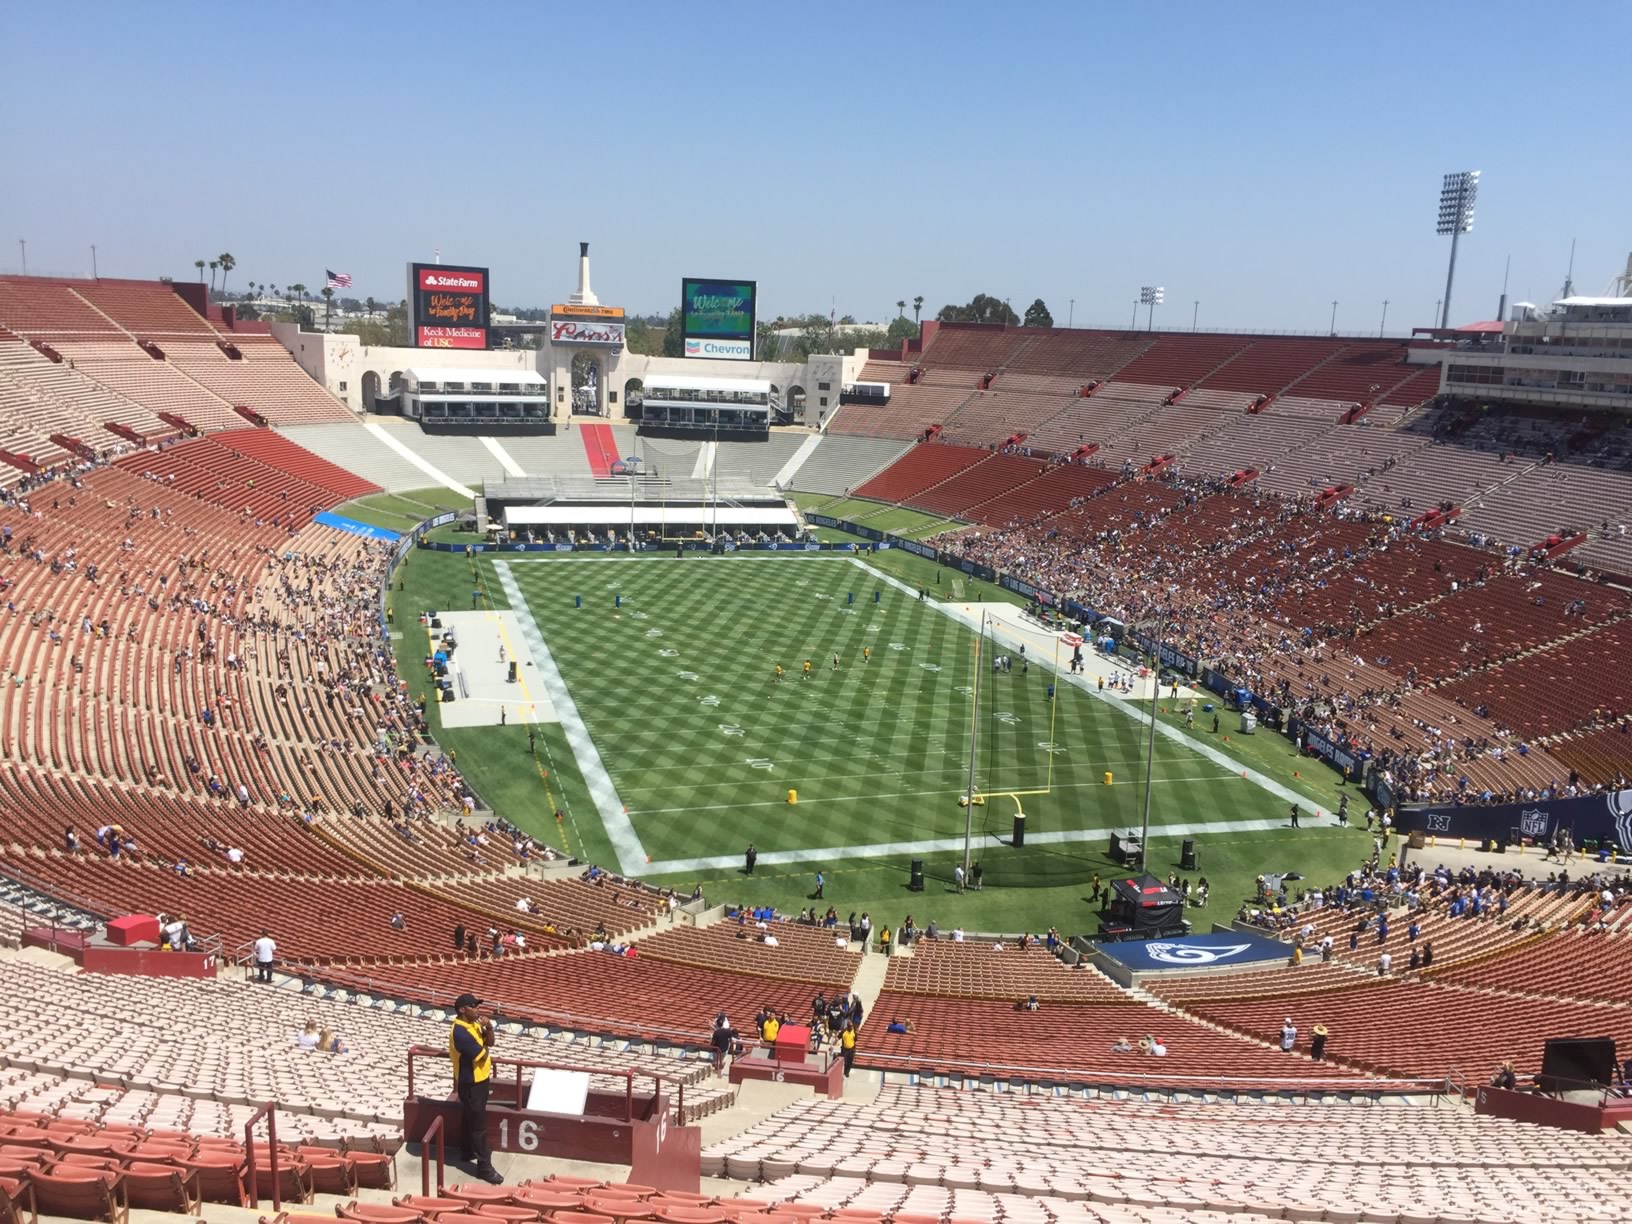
(447, 306)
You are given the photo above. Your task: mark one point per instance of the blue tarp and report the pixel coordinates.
(340, 521)
(1190, 952)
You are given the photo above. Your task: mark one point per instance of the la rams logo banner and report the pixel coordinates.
(1591, 818)
(1226, 949)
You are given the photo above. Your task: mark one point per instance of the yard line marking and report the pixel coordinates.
(948, 845)
(631, 853)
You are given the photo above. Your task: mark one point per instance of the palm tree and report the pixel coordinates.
(228, 263)
(328, 306)
(370, 304)
(900, 309)
(917, 307)
(199, 264)
(297, 289)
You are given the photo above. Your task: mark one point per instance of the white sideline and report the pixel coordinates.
(631, 853)
(948, 845)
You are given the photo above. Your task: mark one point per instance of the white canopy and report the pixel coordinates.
(447, 374)
(615, 515)
(684, 382)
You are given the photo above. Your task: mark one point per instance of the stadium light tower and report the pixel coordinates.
(1456, 199)
(1150, 295)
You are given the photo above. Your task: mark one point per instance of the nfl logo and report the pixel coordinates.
(1533, 823)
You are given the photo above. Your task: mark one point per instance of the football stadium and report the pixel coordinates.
(491, 768)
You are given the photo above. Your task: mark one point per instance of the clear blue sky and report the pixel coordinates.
(1264, 158)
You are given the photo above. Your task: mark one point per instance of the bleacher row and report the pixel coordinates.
(107, 364)
(919, 1155)
(1135, 398)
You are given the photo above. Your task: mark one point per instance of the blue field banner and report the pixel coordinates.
(824, 520)
(1169, 656)
(1323, 747)
(340, 522)
(917, 549)
(1222, 950)
(1591, 818)
(974, 569)
(1081, 612)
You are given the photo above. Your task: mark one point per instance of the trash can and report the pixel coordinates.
(917, 877)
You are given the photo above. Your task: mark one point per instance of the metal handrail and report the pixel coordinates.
(521, 1064)
(434, 1130)
(269, 1112)
(962, 1066)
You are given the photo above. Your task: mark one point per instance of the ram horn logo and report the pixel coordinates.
(1620, 807)
(1193, 954)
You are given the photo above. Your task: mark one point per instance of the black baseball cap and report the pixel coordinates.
(466, 1000)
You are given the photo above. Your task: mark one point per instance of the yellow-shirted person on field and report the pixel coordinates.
(470, 1044)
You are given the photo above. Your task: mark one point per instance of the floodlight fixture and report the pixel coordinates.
(1151, 296)
(1457, 195)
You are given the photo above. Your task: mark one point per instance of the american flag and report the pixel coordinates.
(339, 280)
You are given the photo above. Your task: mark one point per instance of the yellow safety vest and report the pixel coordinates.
(481, 1067)
(849, 1039)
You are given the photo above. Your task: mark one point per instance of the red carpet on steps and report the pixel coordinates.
(600, 447)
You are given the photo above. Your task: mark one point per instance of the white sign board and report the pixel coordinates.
(558, 1092)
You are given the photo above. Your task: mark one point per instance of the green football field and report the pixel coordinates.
(681, 745)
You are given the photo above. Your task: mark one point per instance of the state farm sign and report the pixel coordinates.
(579, 331)
(452, 281)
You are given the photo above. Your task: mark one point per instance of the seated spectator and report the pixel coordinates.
(1029, 1003)
(330, 1044)
(1122, 1046)
(308, 1037)
(899, 1026)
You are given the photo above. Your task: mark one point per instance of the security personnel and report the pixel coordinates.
(470, 1040)
(847, 1044)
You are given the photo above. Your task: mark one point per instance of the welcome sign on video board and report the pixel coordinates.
(717, 318)
(447, 306)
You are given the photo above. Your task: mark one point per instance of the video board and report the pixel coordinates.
(447, 306)
(717, 318)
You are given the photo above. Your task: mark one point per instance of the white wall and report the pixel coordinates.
(339, 362)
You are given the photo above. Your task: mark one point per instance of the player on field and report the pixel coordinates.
(866, 654)
(779, 673)
(835, 661)
(807, 669)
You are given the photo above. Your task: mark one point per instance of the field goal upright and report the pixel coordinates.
(975, 797)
